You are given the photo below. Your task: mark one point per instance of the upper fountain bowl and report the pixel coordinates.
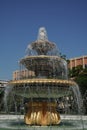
(42, 46)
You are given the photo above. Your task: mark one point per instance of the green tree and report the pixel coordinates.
(79, 75)
(82, 82)
(75, 71)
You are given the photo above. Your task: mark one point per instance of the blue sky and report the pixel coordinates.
(64, 20)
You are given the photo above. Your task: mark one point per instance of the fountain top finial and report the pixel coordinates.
(42, 34)
(42, 45)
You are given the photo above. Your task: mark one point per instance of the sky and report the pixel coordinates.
(65, 22)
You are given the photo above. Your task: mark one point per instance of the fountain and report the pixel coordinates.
(43, 91)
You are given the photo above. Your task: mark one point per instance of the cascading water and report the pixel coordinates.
(42, 91)
(5, 99)
(77, 98)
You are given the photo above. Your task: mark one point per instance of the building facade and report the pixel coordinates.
(22, 74)
(74, 62)
(3, 83)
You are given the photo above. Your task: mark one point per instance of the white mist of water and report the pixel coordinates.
(5, 99)
(78, 97)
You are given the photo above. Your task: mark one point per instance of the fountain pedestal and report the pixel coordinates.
(41, 113)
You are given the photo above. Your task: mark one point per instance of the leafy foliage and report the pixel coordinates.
(79, 75)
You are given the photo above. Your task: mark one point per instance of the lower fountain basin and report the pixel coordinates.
(69, 122)
(41, 88)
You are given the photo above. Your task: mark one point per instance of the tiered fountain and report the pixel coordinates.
(48, 82)
(41, 97)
